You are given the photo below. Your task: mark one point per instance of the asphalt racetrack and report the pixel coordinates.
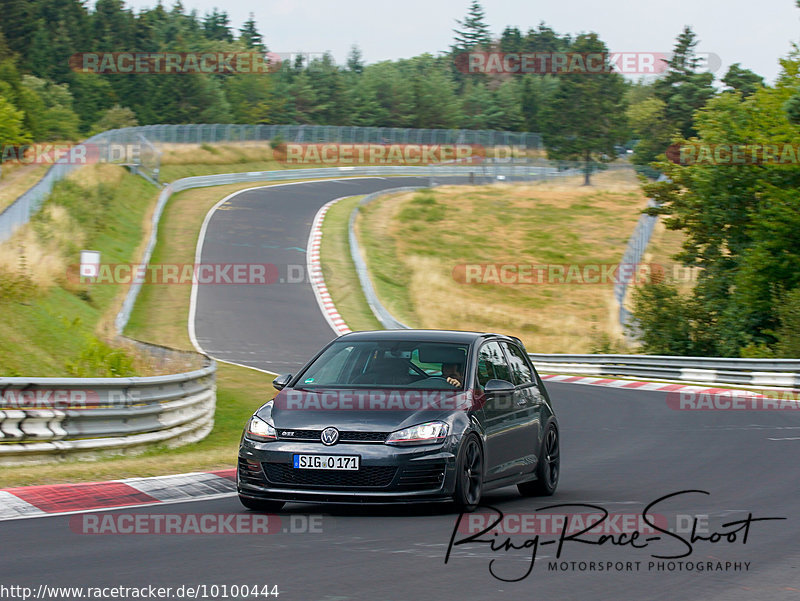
(621, 450)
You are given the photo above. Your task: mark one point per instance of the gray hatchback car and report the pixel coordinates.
(398, 416)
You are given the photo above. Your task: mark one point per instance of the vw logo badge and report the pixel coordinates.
(329, 436)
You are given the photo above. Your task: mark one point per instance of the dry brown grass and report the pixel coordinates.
(216, 154)
(37, 253)
(557, 222)
(17, 179)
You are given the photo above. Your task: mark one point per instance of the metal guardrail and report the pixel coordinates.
(46, 418)
(214, 133)
(752, 372)
(386, 319)
(634, 251)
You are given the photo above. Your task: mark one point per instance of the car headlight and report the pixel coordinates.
(427, 433)
(258, 429)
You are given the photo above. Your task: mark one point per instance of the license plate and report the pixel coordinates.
(326, 462)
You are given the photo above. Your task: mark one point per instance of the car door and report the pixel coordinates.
(528, 401)
(500, 413)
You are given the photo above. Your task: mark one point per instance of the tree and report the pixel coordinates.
(740, 222)
(250, 36)
(249, 95)
(217, 26)
(473, 32)
(586, 117)
(536, 92)
(93, 95)
(648, 122)
(329, 90)
(788, 332)
(660, 333)
(742, 80)
(390, 84)
(18, 24)
(53, 114)
(366, 110)
(355, 62)
(511, 40)
(683, 90)
(12, 129)
(116, 117)
(435, 103)
(544, 39)
(509, 109)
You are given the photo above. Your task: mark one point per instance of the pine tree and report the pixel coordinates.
(682, 89)
(743, 80)
(473, 33)
(217, 26)
(355, 62)
(250, 36)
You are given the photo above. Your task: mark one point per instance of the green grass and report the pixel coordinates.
(340, 274)
(160, 317)
(52, 327)
(169, 173)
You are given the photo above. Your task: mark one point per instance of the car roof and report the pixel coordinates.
(457, 336)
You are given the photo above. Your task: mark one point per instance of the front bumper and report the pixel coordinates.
(387, 474)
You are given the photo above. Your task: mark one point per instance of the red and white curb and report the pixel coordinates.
(637, 385)
(52, 499)
(314, 267)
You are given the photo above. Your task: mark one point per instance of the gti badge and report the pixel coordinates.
(329, 436)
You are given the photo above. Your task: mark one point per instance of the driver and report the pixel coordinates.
(452, 373)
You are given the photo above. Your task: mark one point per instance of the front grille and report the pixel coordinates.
(345, 436)
(250, 472)
(283, 474)
(427, 475)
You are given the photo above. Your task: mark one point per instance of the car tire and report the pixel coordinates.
(548, 469)
(469, 475)
(261, 505)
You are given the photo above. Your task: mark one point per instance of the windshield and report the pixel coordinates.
(388, 364)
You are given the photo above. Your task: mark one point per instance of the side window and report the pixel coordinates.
(485, 369)
(331, 370)
(492, 364)
(519, 364)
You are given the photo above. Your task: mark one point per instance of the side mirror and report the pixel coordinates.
(281, 381)
(495, 386)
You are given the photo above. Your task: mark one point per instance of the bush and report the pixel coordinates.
(99, 360)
